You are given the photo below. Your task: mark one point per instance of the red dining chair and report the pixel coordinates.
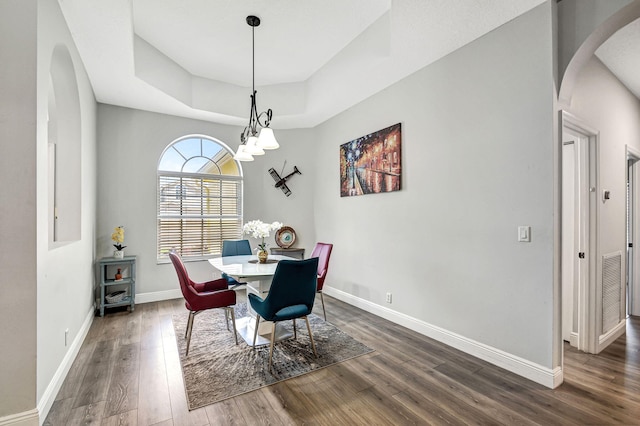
(323, 252)
(202, 296)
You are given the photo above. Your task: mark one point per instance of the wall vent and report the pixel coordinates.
(611, 287)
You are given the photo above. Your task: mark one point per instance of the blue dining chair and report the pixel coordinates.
(291, 296)
(234, 248)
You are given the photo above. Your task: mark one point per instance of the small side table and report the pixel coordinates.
(106, 275)
(297, 253)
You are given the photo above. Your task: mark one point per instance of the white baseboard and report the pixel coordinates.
(573, 339)
(26, 418)
(157, 296)
(49, 396)
(609, 337)
(545, 376)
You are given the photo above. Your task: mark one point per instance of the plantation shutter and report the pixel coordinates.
(196, 212)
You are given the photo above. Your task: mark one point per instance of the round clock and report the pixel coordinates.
(285, 237)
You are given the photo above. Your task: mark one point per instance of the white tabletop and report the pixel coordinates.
(241, 269)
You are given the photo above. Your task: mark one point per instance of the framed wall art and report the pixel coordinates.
(371, 164)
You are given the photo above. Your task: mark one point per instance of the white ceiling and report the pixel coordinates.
(621, 54)
(314, 59)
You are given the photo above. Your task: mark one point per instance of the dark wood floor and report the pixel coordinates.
(128, 373)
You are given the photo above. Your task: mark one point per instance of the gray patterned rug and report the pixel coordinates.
(217, 368)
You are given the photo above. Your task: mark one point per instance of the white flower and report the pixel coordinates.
(260, 230)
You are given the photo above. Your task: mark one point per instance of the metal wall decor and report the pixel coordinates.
(281, 182)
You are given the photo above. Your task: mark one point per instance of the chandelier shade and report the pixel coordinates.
(252, 146)
(257, 136)
(267, 140)
(242, 154)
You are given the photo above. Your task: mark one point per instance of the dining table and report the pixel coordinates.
(258, 276)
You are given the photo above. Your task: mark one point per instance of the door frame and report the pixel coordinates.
(569, 239)
(633, 273)
(587, 211)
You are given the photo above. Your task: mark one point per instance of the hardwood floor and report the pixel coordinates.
(128, 373)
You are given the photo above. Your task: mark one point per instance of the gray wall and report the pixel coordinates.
(17, 207)
(606, 105)
(477, 162)
(57, 280)
(130, 145)
(603, 103)
(65, 269)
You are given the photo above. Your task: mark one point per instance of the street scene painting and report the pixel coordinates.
(371, 164)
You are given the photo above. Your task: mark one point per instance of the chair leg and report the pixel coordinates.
(226, 317)
(255, 332)
(192, 315)
(323, 311)
(313, 345)
(233, 322)
(186, 331)
(295, 330)
(273, 341)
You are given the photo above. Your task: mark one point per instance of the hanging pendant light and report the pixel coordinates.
(242, 154)
(252, 146)
(254, 141)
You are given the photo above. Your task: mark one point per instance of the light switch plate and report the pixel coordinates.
(524, 234)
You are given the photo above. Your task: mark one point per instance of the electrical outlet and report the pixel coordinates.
(66, 336)
(388, 297)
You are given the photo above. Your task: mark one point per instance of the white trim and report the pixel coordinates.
(573, 339)
(26, 418)
(158, 296)
(558, 377)
(632, 293)
(49, 396)
(545, 376)
(588, 307)
(609, 337)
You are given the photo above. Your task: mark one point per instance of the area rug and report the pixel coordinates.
(217, 368)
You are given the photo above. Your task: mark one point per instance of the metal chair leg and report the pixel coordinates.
(192, 315)
(233, 322)
(295, 331)
(255, 332)
(188, 325)
(273, 341)
(313, 345)
(323, 311)
(226, 317)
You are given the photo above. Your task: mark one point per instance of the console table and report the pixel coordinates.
(107, 267)
(297, 253)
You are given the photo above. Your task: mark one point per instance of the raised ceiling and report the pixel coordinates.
(314, 59)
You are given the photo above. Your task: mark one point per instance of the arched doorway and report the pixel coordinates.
(594, 315)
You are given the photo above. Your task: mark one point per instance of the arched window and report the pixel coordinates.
(199, 198)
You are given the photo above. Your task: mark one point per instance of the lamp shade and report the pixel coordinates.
(252, 148)
(267, 140)
(242, 154)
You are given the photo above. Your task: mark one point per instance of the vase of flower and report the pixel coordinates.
(118, 238)
(261, 230)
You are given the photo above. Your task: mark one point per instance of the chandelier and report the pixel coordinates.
(251, 142)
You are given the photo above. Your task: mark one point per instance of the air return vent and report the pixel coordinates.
(611, 286)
